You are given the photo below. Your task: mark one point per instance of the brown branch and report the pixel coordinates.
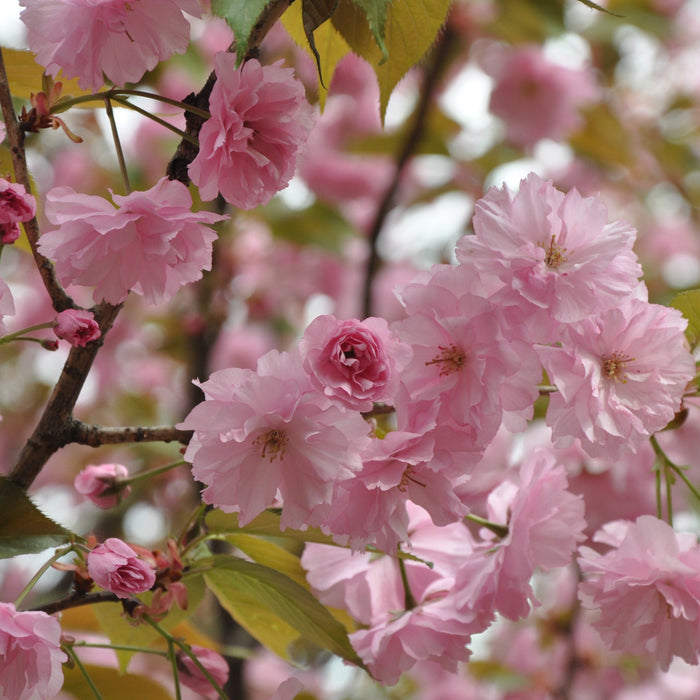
(96, 435)
(78, 599)
(186, 151)
(441, 53)
(15, 138)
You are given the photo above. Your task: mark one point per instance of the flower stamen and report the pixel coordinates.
(450, 359)
(555, 255)
(271, 444)
(614, 366)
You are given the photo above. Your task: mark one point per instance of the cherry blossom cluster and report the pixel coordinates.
(544, 284)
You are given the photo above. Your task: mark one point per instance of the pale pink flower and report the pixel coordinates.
(120, 38)
(645, 590)
(193, 678)
(151, 242)
(551, 253)
(355, 363)
(30, 654)
(116, 567)
(16, 205)
(545, 523)
(535, 97)
(77, 326)
(7, 304)
(2, 131)
(261, 432)
(259, 120)
(620, 377)
(100, 483)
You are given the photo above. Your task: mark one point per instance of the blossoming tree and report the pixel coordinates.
(281, 435)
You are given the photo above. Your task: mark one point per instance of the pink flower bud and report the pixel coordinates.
(16, 204)
(77, 326)
(9, 233)
(194, 679)
(49, 345)
(116, 567)
(100, 483)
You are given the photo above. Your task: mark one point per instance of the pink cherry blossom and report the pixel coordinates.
(645, 591)
(116, 567)
(355, 363)
(551, 252)
(77, 326)
(193, 678)
(261, 432)
(535, 97)
(620, 377)
(120, 38)
(259, 120)
(30, 654)
(150, 242)
(7, 304)
(99, 483)
(16, 205)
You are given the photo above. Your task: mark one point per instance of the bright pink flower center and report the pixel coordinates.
(614, 366)
(271, 444)
(450, 359)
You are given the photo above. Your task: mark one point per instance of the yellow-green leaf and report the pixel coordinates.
(688, 303)
(111, 684)
(241, 16)
(274, 609)
(23, 527)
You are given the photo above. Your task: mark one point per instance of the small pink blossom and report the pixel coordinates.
(120, 38)
(77, 326)
(535, 97)
(620, 377)
(30, 655)
(645, 590)
(116, 567)
(100, 483)
(16, 205)
(260, 433)
(259, 120)
(193, 678)
(355, 363)
(550, 253)
(151, 242)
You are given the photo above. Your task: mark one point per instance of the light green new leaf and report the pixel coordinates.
(123, 631)
(241, 16)
(688, 303)
(270, 606)
(23, 527)
(410, 29)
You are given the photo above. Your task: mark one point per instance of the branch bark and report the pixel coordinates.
(97, 435)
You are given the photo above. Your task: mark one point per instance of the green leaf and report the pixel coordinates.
(241, 16)
(528, 20)
(274, 609)
(411, 27)
(24, 529)
(111, 684)
(688, 303)
(122, 630)
(376, 14)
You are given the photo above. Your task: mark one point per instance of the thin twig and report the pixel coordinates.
(97, 435)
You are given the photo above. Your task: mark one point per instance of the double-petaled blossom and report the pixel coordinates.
(553, 255)
(16, 205)
(30, 654)
(259, 121)
(77, 326)
(355, 363)
(620, 377)
(121, 39)
(262, 434)
(116, 567)
(150, 242)
(100, 483)
(645, 591)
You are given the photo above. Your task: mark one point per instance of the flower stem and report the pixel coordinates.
(83, 670)
(142, 476)
(410, 601)
(500, 530)
(119, 647)
(45, 567)
(18, 335)
(117, 145)
(156, 119)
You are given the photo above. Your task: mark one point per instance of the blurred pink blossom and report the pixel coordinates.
(259, 120)
(193, 678)
(100, 483)
(646, 589)
(116, 567)
(119, 38)
(30, 654)
(535, 97)
(16, 205)
(7, 304)
(151, 242)
(77, 326)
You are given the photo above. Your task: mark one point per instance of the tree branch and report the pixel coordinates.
(15, 138)
(78, 599)
(96, 435)
(441, 53)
